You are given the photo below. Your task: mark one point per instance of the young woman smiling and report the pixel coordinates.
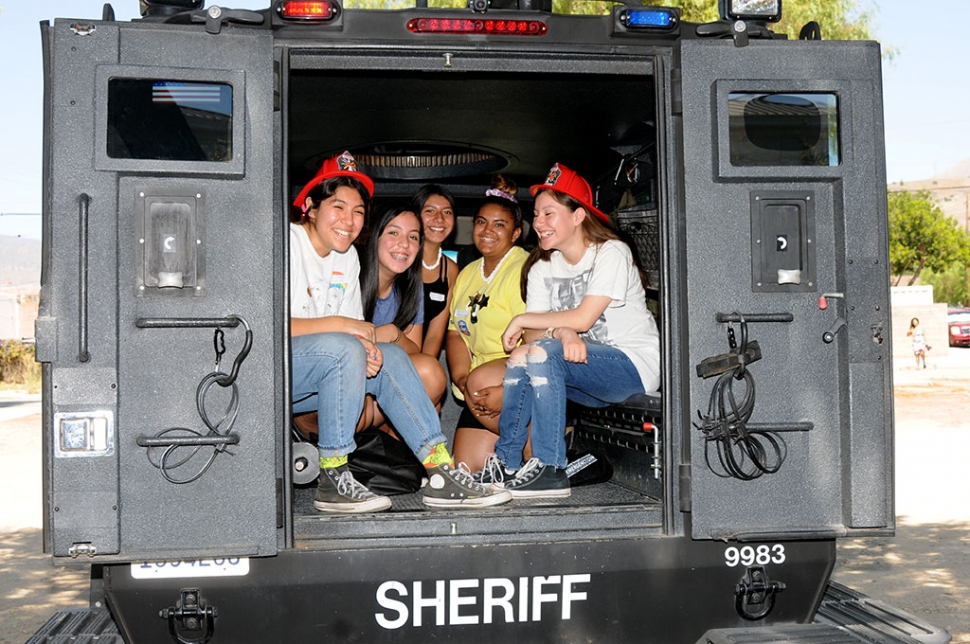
(487, 296)
(436, 206)
(391, 288)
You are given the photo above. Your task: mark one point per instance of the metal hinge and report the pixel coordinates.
(190, 621)
(754, 596)
(81, 29)
(78, 549)
(676, 92)
(684, 479)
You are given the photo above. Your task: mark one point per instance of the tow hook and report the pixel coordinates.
(755, 594)
(190, 621)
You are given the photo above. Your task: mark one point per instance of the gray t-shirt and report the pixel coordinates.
(627, 324)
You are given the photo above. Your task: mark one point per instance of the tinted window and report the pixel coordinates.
(783, 129)
(169, 120)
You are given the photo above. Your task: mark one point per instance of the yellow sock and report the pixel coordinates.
(438, 456)
(329, 462)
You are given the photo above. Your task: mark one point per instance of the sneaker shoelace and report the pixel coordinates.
(348, 486)
(493, 469)
(463, 477)
(530, 470)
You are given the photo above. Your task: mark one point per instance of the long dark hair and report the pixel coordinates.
(328, 188)
(407, 285)
(594, 230)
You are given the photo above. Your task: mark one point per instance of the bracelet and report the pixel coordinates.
(550, 333)
(398, 338)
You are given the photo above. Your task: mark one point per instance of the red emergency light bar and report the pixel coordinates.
(303, 10)
(486, 26)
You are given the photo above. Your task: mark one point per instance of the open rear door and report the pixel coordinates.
(162, 241)
(784, 204)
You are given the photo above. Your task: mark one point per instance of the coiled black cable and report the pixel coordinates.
(221, 428)
(742, 453)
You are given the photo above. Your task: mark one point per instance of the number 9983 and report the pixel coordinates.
(761, 555)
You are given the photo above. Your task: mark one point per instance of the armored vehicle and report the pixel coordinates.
(746, 169)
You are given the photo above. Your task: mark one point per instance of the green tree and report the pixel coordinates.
(950, 286)
(922, 236)
(838, 19)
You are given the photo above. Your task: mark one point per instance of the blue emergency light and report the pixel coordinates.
(649, 18)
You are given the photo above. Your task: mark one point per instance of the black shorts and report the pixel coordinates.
(467, 418)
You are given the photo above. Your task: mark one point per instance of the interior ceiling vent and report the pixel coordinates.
(409, 162)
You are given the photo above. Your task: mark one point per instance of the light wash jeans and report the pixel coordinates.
(537, 391)
(330, 377)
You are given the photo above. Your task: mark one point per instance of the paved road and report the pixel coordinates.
(925, 569)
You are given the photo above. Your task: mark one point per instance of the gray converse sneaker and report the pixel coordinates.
(339, 491)
(453, 487)
(538, 481)
(493, 473)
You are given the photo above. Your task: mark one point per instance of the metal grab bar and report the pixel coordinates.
(754, 317)
(187, 323)
(186, 441)
(84, 203)
(203, 323)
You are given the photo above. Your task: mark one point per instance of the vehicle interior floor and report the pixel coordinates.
(519, 520)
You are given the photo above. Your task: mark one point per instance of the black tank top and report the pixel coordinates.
(435, 296)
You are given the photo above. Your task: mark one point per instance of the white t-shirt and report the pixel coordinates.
(322, 286)
(627, 324)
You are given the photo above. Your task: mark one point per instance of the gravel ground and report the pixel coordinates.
(924, 569)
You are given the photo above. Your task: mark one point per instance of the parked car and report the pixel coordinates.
(959, 322)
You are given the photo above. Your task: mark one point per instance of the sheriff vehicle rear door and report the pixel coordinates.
(784, 207)
(161, 263)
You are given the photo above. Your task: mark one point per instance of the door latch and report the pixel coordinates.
(829, 336)
(755, 594)
(190, 621)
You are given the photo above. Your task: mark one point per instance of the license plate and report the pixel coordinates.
(215, 567)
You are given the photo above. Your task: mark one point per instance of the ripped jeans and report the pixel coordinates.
(536, 391)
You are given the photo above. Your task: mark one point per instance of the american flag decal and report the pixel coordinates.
(187, 94)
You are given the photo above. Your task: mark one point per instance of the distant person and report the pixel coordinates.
(919, 342)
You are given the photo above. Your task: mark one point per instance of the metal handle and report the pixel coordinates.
(754, 317)
(187, 323)
(84, 202)
(779, 427)
(186, 441)
(202, 323)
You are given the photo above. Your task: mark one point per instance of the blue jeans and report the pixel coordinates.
(330, 377)
(536, 391)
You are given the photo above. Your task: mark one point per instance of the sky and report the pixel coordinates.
(926, 92)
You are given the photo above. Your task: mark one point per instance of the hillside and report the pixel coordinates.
(19, 261)
(959, 171)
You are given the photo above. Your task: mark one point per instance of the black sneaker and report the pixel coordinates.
(450, 487)
(339, 491)
(493, 473)
(538, 481)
